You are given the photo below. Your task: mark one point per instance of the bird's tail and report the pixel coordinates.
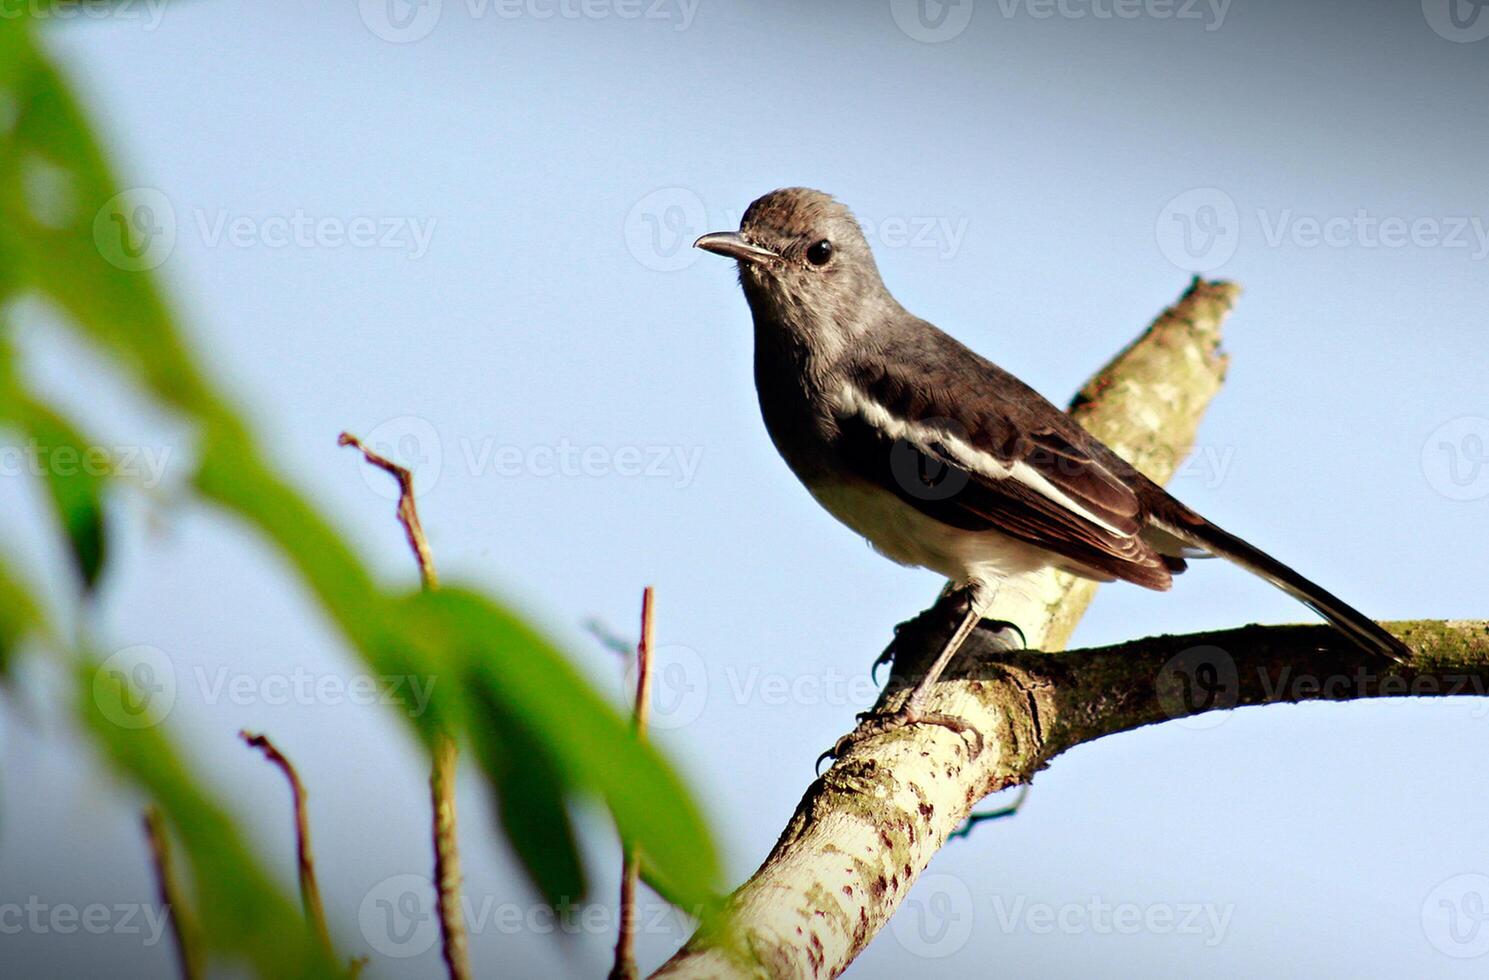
(1197, 532)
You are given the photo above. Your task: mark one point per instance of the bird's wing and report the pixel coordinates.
(994, 455)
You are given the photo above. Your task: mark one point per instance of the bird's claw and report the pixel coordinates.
(871, 724)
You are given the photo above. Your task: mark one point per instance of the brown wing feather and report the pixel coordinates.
(1103, 534)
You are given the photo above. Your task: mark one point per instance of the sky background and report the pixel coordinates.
(530, 330)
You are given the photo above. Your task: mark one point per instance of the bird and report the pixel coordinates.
(940, 458)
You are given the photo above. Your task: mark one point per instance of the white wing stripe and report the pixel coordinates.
(851, 400)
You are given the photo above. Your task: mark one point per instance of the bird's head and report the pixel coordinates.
(804, 265)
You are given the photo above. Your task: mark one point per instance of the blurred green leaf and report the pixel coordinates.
(68, 233)
(73, 470)
(531, 799)
(20, 616)
(75, 474)
(523, 674)
(245, 916)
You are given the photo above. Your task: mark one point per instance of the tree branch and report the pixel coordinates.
(630, 872)
(184, 928)
(867, 827)
(310, 892)
(454, 946)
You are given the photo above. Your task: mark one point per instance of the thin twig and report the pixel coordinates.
(183, 927)
(310, 892)
(453, 944)
(447, 859)
(408, 514)
(625, 943)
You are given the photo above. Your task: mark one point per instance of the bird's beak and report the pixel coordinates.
(728, 243)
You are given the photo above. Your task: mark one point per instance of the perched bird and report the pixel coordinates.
(864, 399)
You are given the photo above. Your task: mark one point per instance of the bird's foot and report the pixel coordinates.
(887, 657)
(871, 724)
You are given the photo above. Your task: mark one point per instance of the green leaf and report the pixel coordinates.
(74, 470)
(20, 616)
(72, 235)
(526, 678)
(530, 791)
(245, 916)
(75, 474)
(67, 232)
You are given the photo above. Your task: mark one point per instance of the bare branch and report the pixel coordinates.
(447, 859)
(168, 892)
(625, 956)
(454, 946)
(408, 513)
(310, 892)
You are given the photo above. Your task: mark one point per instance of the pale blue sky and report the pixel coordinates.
(579, 394)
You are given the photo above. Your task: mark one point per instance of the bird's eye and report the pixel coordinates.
(820, 253)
